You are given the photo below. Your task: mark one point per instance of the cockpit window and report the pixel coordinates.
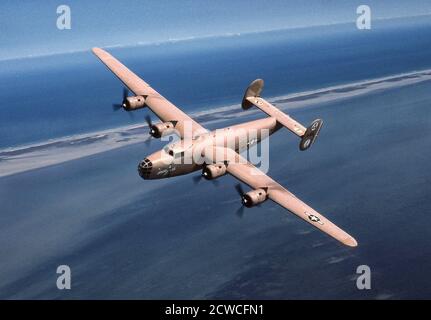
(174, 151)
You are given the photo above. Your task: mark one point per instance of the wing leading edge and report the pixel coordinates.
(162, 107)
(256, 179)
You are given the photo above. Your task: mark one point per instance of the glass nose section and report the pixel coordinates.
(144, 168)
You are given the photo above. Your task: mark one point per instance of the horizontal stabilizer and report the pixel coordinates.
(252, 98)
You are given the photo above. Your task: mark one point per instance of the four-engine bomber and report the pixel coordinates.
(217, 153)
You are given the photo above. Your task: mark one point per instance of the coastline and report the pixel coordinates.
(19, 159)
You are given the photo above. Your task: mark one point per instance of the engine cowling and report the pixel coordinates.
(254, 197)
(214, 171)
(134, 103)
(160, 129)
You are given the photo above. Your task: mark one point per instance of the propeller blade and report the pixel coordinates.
(125, 93)
(197, 179)
(239, 189)
(148, 141)
(240, 212)
(148, 120)
(118, 106)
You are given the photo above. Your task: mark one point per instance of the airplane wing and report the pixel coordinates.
(244, 171)
(164, 109)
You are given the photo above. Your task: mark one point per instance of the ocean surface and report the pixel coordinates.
(85, 206)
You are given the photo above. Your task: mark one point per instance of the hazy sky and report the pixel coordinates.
(28, 27)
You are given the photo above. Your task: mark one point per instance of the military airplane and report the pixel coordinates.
(217, 153)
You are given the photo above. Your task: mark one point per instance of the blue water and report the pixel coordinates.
(50, 97)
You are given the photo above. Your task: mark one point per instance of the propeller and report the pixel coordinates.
(148, 120)
(150, 123)
(148, 142)
(197, 179)
(118, 106)
(240, 190)
(150, 126)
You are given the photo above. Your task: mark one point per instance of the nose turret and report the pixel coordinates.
(144, 168)
(156, 166)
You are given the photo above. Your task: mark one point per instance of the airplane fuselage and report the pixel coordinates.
(186, 155)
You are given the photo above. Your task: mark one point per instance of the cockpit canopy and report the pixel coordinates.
(177, 149)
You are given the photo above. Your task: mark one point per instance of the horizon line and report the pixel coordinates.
(192, 38)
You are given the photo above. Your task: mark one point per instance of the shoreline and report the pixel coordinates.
(14, 160)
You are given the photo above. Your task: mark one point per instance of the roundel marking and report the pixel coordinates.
(313, 218)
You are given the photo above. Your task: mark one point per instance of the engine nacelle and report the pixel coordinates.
(160, 129)
(214, 171)
(254, 197)
(133, 103)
